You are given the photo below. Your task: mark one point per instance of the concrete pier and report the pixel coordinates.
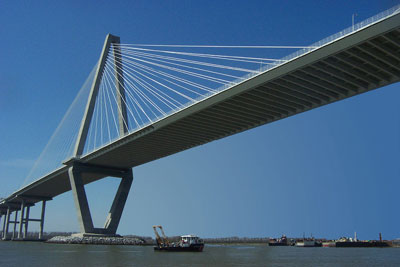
(26, 221)
(21, 219)
(41, 226)
(15, 224)
(6, 223)
(21, 208)
(76, 172)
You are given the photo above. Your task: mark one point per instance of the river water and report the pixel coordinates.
(41, 254)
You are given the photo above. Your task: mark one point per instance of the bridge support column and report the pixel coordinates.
(76, 172)
(15, 224)
(26, 221)
(4, 220)
(21, 219)
(115, 213)
(27, 201)
(41, 226)
(7, 223)
(81, 203)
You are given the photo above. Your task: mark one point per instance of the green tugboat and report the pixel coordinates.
(188, 243)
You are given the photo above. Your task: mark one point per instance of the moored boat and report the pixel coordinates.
(346, 242)
(360, 244)
(279, 242)
(188, 243)
(308, 242)
(329, 244)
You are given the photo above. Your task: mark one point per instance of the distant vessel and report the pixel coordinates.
(190, 243)
(308, 242)
(341, 243)
(355, 243)
(360, 244)
(279, 242)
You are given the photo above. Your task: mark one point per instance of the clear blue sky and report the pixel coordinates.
(329, 172)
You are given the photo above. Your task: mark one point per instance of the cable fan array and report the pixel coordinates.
(159, 82)
(61, 144)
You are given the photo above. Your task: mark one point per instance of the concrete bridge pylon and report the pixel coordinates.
(77, 170)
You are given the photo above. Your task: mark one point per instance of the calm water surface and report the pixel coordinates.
(40, 254)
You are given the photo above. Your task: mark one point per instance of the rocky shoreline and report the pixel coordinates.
(96, 240)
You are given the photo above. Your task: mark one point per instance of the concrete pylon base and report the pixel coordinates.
(84, 217)
(81, 235)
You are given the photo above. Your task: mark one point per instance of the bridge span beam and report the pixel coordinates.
(76, 173)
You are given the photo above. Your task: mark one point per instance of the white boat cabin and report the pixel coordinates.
(191, 239)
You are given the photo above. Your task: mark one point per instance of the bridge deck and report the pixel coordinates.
(356, 63)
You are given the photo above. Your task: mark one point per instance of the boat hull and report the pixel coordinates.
(277, 244)
(308, 244)
(191, 248)
(328, 244)
(360, 244)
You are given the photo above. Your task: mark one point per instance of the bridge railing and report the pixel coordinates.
(332, 38)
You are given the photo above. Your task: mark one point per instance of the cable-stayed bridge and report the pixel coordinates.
(144, 102)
